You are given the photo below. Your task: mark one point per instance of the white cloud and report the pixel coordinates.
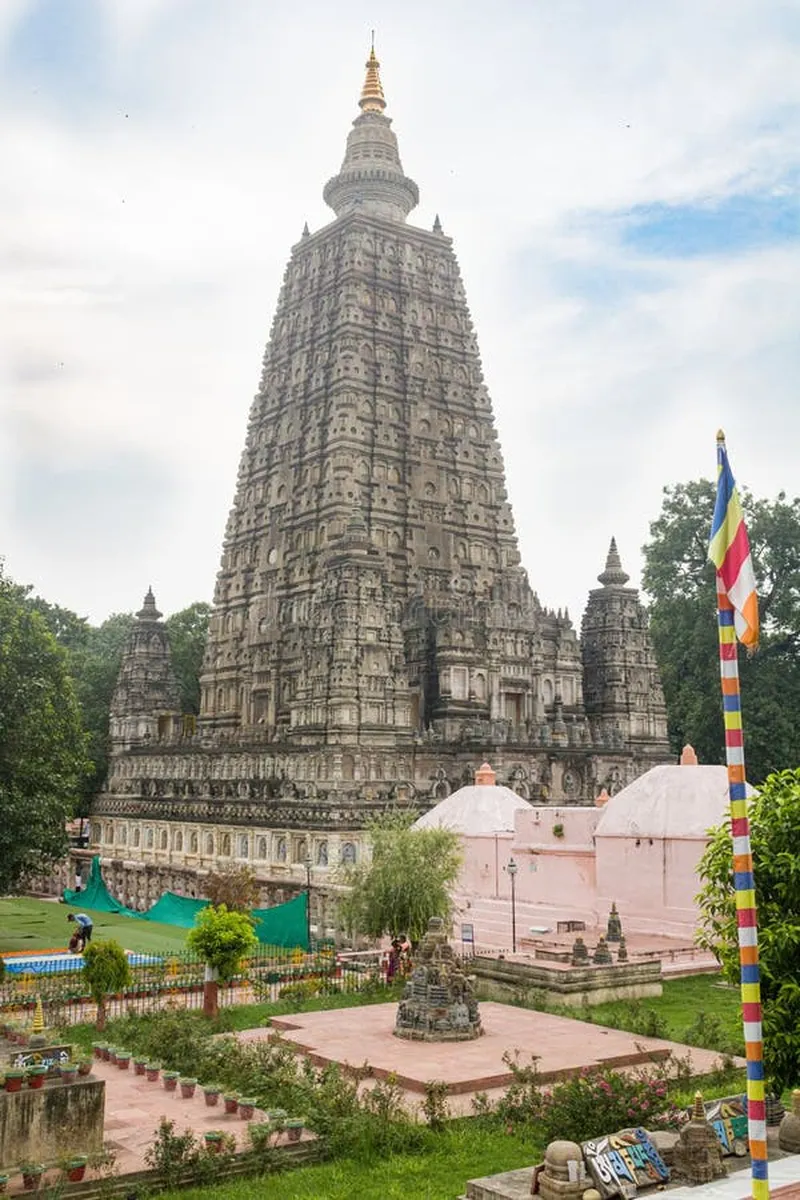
(144, 232)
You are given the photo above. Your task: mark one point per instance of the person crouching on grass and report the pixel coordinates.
(83, 933)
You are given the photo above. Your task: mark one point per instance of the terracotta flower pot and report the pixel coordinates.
(68, 1074)
(76, 1169)
(85, 1067)
(212, 1097)
(98, 1048)
(188, 1088)
(36, 1076)
(14, 1080)
(246, 1109)
(3, 1183)
(293, 1130)
(31, 1178)
(170, 1081)
(152, 1072)
(139, 1066)
(231, 1104)
(213, 1140)
(123, 1061)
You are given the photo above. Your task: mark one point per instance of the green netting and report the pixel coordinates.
(172, 909)
(283, 925)
(96, 895)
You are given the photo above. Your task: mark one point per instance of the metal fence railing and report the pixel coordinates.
(177, 979)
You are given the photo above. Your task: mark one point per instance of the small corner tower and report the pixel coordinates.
(146, 699)
(622, 687)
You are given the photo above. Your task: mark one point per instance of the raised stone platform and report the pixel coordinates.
(499, 978)
(352, 1037)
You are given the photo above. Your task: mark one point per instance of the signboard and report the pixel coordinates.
(47, 1056)
(468, 933)
(623, 1162)
(728, 1119)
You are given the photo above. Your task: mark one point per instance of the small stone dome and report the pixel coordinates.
(558, 1154)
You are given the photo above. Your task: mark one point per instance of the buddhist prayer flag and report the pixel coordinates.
(729, 550)
(737, 615)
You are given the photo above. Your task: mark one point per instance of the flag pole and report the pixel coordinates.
(744, 883)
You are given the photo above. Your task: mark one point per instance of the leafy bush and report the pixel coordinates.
(222, 939)
(106, 971)
(588, 1104)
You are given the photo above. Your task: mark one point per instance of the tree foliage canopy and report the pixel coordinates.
(43, 760)
(774, 822)
(408, 880)
(187, 631)
(222, 939)
(680, 581)
(235, 887)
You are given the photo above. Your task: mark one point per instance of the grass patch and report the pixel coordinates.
(699, 1010)
(35, 925)
(464, 1150)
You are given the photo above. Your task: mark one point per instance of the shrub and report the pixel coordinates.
(222, 939)
(106, 971)
(588, 1104)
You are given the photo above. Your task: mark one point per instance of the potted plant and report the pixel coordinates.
(31, 1175)
(188, 1084)
(247, 1107)
(222, 939)
(211, 1092)
(3, 1182)
(152, 1071)
(36, 1076)
(277, 1118)
(84, 1066)
(170, 1080)
(140, 1064)
(68, 1072)
(231, 1100)
(105, 1052)
(213, 1139)
(14, 1078)
(111, 1054)
(294, 1127)
(76, 1167)
(123, 1059)
(98, 1048)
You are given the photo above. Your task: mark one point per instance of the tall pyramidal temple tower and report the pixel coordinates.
(374, 635)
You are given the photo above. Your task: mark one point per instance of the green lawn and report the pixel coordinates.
(693, 1006)
(461, 1153)
(27, 924)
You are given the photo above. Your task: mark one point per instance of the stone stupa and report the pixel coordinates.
(438, 1003)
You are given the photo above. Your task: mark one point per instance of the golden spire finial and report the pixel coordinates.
(372, 92)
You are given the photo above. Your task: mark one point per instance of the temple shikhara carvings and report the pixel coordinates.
(374, 634)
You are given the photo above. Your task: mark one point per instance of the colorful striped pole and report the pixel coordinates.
(744, 886)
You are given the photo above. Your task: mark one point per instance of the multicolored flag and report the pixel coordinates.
(729, 550)
(737, 615)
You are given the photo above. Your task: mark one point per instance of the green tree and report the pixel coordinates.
(107, 972)
(235, 887)
(94, 654)
(43, 760)
(222, 939)
(187, 638)
(774, 822)
(408, 880)
(680, 581)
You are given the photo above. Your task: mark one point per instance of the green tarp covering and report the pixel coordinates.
(283, 925)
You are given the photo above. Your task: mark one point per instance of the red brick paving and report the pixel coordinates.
(358, 1035)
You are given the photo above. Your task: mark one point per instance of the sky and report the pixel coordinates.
(620, 179)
